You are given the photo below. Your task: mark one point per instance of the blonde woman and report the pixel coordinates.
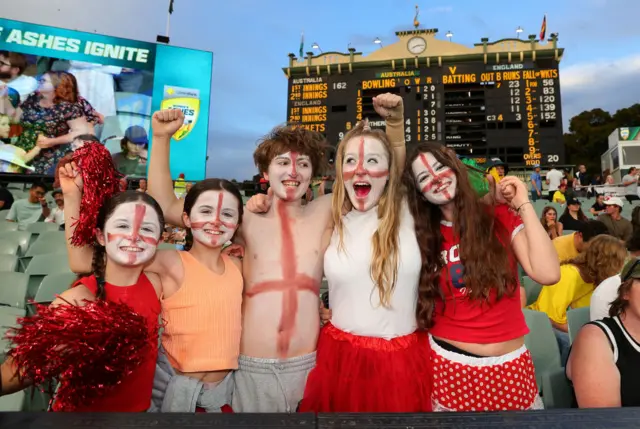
(371, 357)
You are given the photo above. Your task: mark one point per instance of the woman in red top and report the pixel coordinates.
(469, 296)
(129, 227)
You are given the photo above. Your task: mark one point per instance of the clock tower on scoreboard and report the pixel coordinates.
(495, 99)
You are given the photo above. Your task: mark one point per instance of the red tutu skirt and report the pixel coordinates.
(369, 375)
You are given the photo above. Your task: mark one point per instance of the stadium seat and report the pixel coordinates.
(541, 342)
(8, 262)
(558, 392)
(166, 246)
(567, 232)
(48, 242)
(8, 248)
(42, 265)
(12, 403)
(3, 214)
(576, 319)
(13, 289)
(40, 227)
(6, 226)
(7, 320)
(532, 288)
(52, 285)
(21, 238)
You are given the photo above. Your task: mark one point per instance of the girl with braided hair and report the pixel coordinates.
(128, 229)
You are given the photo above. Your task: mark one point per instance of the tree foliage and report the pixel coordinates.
(588, 134)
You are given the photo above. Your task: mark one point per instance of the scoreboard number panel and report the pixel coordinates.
(511, 111)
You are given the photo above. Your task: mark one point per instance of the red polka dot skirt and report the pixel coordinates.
(463, 383)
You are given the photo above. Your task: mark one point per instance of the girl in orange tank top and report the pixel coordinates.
(129, 227)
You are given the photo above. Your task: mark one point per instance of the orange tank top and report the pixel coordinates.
(204, 318)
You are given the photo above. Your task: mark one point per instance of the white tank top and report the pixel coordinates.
(353, 297)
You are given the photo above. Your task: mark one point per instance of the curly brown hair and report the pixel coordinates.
(283, 139)
(483, 241)
(604, 258)
(66, 87)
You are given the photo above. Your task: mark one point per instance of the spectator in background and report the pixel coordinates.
(604, 365)
(124, 184)
(179, 186)
(607, 291)
(598, 207)
(582, 182)
(127, 161)
(630, 182)
(536, 184)
(554, 179)
(142, 185)
(12, 67)
(573, 216)
(559, 195)
(263, 186)
(6, 199)
(610, 180)
(572, 245)
(30, 210)
(616, 224)
(187, 187)
(603, 258)
(549, 220)
(56, 215)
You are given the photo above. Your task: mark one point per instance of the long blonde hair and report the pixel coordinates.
(384, 258)
(604, 258)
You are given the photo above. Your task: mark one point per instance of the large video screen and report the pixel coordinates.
(58, 84)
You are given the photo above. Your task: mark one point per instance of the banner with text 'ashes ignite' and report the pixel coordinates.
(56, 82)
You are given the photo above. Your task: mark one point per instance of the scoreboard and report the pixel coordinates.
(511, 111)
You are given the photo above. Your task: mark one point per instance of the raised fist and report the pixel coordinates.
(165, 123)
(389, 106)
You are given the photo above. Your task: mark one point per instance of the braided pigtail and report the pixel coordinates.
(98, 268)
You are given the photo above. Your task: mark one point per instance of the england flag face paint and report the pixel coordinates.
(437, 182)
(214, 218)
(289, 175)
(365, 171)
(132, 234)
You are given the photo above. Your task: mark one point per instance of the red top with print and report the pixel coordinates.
(481, 321)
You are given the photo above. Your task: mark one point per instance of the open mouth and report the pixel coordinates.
(361, 189)
(131, 249)
(291, 183)
(212, 231)
(442, 187)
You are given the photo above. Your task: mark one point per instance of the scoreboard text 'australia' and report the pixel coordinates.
(496, 99)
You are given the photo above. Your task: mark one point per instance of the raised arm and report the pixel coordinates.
(160, 186)
(80, 258)
(533, 247)
(391, 108)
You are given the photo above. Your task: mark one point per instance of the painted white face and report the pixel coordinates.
(437, 182)
(214, 218)
(289, 175)
(132, 234)
(365, 171)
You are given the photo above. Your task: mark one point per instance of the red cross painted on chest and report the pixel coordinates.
(290, 284)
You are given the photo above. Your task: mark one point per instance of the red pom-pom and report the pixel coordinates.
(89, 349)
(100, 182)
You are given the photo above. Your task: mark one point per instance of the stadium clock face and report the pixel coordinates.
(416, 45)
(510, 111)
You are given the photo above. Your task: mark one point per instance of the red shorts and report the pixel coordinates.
(500, 383)
(368, 374)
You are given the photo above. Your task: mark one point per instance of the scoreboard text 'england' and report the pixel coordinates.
(497, 99)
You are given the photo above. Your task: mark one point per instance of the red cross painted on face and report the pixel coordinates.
(291, 192)
(360, 170)
(436, 179)
(135, 236)
(217, 224)
(290, 284)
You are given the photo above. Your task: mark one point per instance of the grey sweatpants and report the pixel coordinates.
(173, 393)
(270, 385)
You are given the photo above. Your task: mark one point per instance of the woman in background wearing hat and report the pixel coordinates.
(573, 216)
(617, 225)
(127, 161)
(604, 364)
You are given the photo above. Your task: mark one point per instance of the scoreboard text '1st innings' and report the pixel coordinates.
(497, 99)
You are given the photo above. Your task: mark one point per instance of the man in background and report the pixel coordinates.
(571, 245)
(536, 184)
(56, 215)
(582, 182)
(12, 67)
(30, 210)
(6, 199)
(617, 225)
(554, 179)
(630, 183)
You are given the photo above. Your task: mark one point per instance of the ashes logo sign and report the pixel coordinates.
(187, 100)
